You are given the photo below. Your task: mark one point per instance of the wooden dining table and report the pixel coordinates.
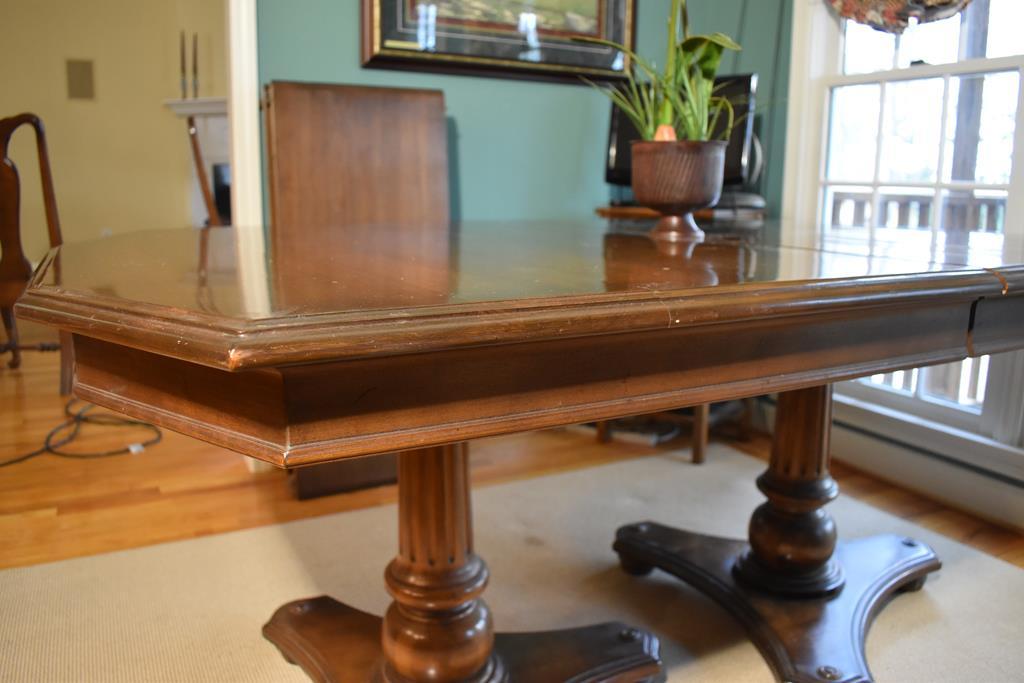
(338, 344)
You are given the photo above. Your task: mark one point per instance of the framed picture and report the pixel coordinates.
(517, 38)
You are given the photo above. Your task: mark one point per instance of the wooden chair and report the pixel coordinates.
(213, 216)
(342, 158)
(15, 269)
(703, 419)
(699, 422)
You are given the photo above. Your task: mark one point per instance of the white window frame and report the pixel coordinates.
(991, 441)
(934, 410)
(816, 67)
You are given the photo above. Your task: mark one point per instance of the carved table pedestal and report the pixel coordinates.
(805, 601)
(438, 628)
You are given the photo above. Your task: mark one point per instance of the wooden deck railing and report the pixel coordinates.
(962, 211)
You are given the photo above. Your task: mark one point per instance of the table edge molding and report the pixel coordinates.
(232, 344)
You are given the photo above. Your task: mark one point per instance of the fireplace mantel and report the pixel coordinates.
(211, 121)
(198, 106)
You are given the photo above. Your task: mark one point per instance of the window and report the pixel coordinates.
(921, 131)
(919, 153)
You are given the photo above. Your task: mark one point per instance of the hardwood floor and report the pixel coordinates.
(55, 508)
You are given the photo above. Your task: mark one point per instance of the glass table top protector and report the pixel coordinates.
(246, 274)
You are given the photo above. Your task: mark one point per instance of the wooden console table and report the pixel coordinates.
(536, 325)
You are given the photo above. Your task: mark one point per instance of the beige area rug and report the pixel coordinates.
(192, 610)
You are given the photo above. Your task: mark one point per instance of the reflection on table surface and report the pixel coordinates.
(233, 272)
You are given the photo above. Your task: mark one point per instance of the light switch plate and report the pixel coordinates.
(81, 84)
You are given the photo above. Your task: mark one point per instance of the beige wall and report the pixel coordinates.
(121, 161)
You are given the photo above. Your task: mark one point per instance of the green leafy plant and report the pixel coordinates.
(682, 97)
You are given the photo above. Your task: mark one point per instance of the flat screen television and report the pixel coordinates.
(739, 89)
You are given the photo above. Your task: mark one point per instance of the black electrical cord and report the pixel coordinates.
(67, 431)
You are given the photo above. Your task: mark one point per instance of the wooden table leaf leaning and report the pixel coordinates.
(536, 325)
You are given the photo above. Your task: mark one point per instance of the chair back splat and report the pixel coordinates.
(15, 268)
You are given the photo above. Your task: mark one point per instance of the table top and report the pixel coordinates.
(229, 298)
(334, 343)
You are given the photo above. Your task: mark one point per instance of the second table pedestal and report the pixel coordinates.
(806, 602)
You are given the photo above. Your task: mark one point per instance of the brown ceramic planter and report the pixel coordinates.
(675, 179)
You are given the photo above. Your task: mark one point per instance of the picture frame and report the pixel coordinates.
(496, 38)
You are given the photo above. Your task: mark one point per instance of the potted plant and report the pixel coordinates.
(677, 166)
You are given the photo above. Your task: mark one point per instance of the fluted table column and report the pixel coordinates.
(439, 629)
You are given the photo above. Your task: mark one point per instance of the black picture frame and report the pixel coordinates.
(433, 36)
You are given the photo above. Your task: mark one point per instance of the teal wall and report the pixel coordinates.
(524, 150)
(763, 28)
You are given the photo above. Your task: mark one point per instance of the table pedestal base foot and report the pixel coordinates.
(336, 643)
(804, 640)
